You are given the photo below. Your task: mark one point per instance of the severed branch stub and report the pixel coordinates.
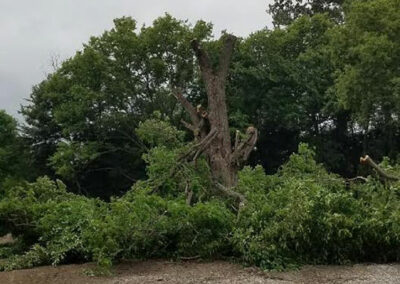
(366, 160)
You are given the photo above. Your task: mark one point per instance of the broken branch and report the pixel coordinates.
(366, 160)
(206, 142)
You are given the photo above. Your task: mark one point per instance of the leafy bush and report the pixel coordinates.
(300, 215)
(166, 174)
(305, 215)
(59, 227)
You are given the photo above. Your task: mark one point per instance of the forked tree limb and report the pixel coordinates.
(366, 160)
(244, 148)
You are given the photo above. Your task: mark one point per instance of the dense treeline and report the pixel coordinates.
(333, 85)
(328, 74)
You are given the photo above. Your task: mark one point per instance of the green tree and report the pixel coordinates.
(281, 80)
(366, 52)
(14, 155)
(284, 12)
(83, 116)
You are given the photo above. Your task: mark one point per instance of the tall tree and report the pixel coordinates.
(284, 12)
(82, 119)
(366, 53)
(14, 155)
(210, 126)
(281, 80)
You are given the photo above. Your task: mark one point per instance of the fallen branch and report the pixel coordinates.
(207, 142)
(366, 160)
(199, 148)
(232, 193)
(357, 178)
(189, 257)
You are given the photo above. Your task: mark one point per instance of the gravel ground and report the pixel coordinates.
(161, 271)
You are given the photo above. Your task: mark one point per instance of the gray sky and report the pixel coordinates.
(32, 32)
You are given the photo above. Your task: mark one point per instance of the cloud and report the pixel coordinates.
(33, 31)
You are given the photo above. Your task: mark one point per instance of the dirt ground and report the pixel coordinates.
(162, 271)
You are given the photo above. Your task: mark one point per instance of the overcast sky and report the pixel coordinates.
(34, 31)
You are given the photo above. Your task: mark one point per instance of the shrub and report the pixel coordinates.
(300, 215)
(58, 227)
(305, 215)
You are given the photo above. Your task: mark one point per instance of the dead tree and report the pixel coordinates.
(210, 126)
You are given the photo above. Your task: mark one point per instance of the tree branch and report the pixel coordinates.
(357, 178)
(206, 142)
(243, 150)
(366, 160)
(191, 110)
(198, 148)
(188, 125)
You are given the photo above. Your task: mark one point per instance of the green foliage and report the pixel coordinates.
(371, 56)
(284, 12)
(92, 105)
(305, 215)
(58, 227)
(164, 168)
(14, 156)
(71, 159)
(159, 132)
(300, 215)
(37, 255)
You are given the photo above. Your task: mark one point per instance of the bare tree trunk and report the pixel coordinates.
(211, 127)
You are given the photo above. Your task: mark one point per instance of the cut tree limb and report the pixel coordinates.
(366, 160)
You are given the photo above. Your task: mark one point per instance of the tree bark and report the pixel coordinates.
(211, 127)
